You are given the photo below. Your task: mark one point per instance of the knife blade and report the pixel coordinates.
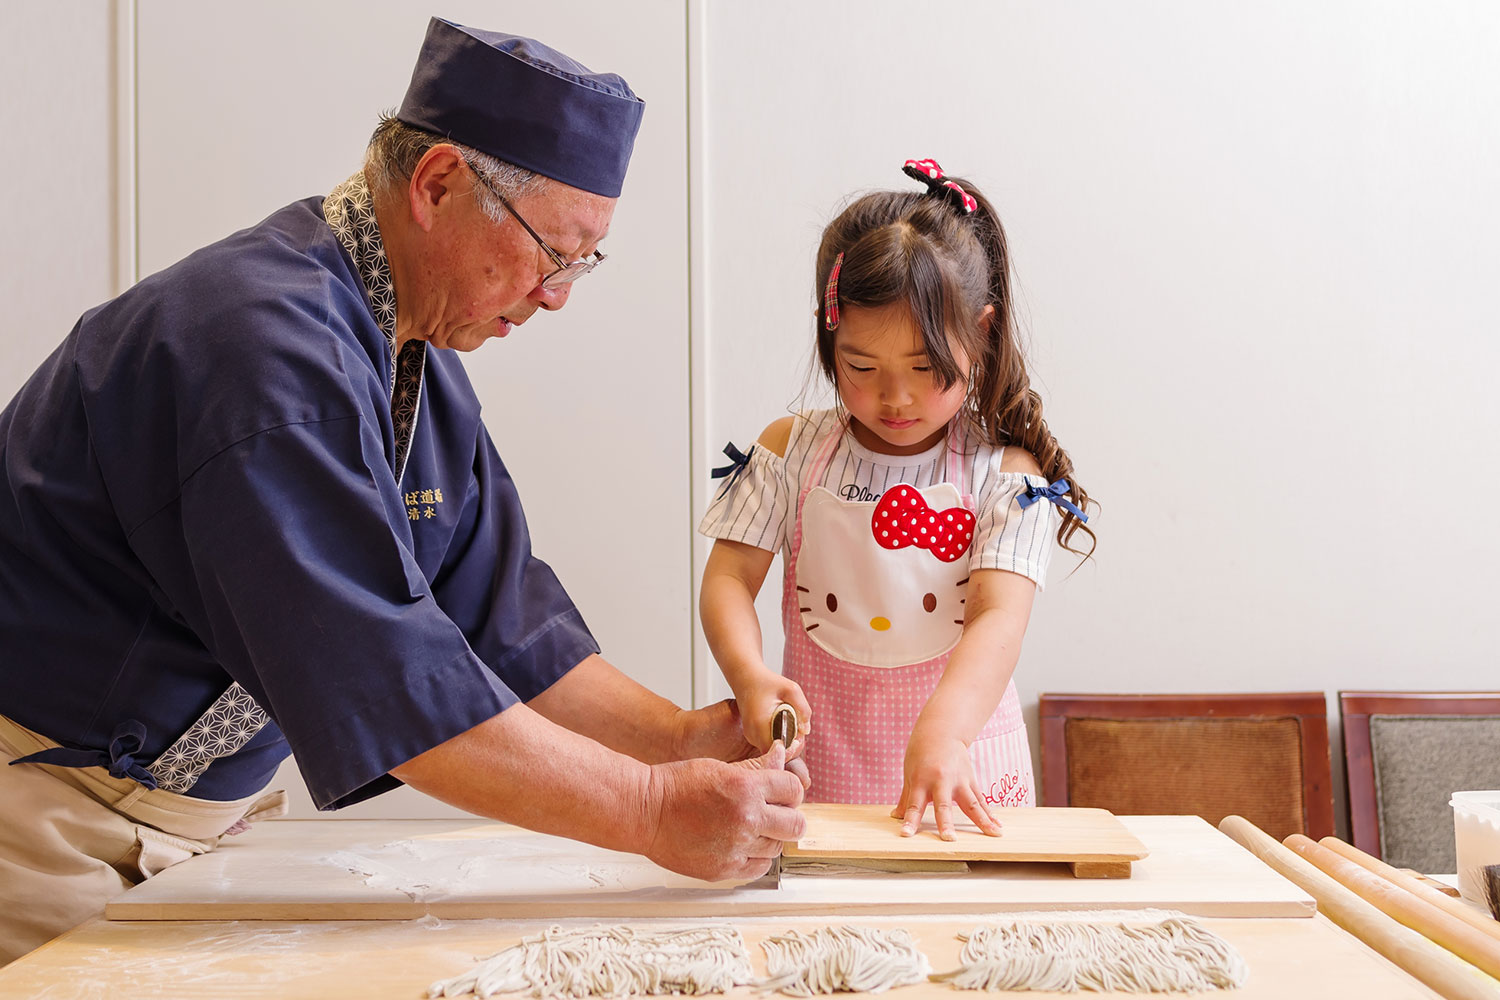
(784, 724)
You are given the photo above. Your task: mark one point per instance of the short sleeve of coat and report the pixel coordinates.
(753, 506)
(298, 581)
(1009, 538)
(509, 604)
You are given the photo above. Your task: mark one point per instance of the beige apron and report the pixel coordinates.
(72, 838)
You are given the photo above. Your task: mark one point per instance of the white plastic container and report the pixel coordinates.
(1476, 838)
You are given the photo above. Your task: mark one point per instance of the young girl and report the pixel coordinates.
(915, 519)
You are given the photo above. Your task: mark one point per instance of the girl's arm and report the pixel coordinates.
(726, 604)
(937, 770)
(997, 608)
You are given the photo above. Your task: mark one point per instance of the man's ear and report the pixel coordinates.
(437, 179)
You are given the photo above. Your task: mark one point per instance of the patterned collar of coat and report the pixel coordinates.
(350, 212)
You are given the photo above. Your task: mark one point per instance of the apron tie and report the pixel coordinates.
(128, 738)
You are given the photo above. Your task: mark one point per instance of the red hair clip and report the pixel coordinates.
(831, 296)
(929, 173)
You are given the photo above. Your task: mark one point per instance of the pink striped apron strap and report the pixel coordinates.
(820, 462)
(958, 439)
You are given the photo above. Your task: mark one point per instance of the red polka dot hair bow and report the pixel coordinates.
(903, 518)
(929, 173)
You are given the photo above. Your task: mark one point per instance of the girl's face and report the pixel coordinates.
(884, 380)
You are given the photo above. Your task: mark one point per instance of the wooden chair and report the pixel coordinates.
(1405, 753)
(1261, 756)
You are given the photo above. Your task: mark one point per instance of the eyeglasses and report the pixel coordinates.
(566, 272)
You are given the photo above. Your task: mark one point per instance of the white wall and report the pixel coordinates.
(57, 72)
(1255, 253)
(1256, 256)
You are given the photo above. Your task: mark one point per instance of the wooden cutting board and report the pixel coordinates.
(399, 869)
(1092, 841)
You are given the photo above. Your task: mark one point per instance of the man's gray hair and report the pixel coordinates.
(396, 148)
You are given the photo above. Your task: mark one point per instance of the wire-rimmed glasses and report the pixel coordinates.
(566, 272)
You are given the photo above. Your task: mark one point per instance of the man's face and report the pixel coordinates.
(485, 277)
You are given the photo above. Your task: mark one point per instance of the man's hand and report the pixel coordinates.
(938, 771)
(716, 821)
(717, 732)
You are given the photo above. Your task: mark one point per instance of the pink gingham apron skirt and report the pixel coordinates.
(863, 713)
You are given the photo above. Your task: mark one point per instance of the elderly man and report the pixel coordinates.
(247, 510)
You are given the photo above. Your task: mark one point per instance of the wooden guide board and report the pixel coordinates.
(1289, 959)
(1092, 841)
(401, 869)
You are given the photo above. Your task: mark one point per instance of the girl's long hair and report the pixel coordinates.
(947, 266)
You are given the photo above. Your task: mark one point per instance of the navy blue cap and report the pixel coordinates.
(527, 104)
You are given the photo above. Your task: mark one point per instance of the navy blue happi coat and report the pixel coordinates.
(204, 489)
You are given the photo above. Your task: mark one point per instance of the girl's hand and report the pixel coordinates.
(716, 732)
(938, 771)
(759, 699)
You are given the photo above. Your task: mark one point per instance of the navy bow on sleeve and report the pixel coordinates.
(1056, 493)
(737, 463)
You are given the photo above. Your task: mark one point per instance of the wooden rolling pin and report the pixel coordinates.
(1434, 966)
(1468, 943)
(1448, 904)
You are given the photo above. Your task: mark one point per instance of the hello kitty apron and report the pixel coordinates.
(872, 605)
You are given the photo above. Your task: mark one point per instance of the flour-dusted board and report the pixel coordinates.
(1289, 959)
(1093, 842)
(399, 869)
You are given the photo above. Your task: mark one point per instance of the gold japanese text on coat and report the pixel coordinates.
(422, 503)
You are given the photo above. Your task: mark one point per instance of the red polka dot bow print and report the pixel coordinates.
(903, 518)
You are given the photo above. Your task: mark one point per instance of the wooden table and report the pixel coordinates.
(1290, 958)
(1291, 952)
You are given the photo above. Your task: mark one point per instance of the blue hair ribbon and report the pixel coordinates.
(127, 741)
(1056, 493)
(737, 463)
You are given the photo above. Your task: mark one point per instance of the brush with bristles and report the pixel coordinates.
(1489, 887)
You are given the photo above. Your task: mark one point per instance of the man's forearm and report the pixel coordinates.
(703, 817)
(597, 700)
(521, 768)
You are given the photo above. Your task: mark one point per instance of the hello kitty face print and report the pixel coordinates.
(884, 600)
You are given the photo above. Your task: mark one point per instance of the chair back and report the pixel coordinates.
(1262, 756)
(1405, 754)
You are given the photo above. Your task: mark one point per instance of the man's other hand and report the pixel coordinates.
(718, 821)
